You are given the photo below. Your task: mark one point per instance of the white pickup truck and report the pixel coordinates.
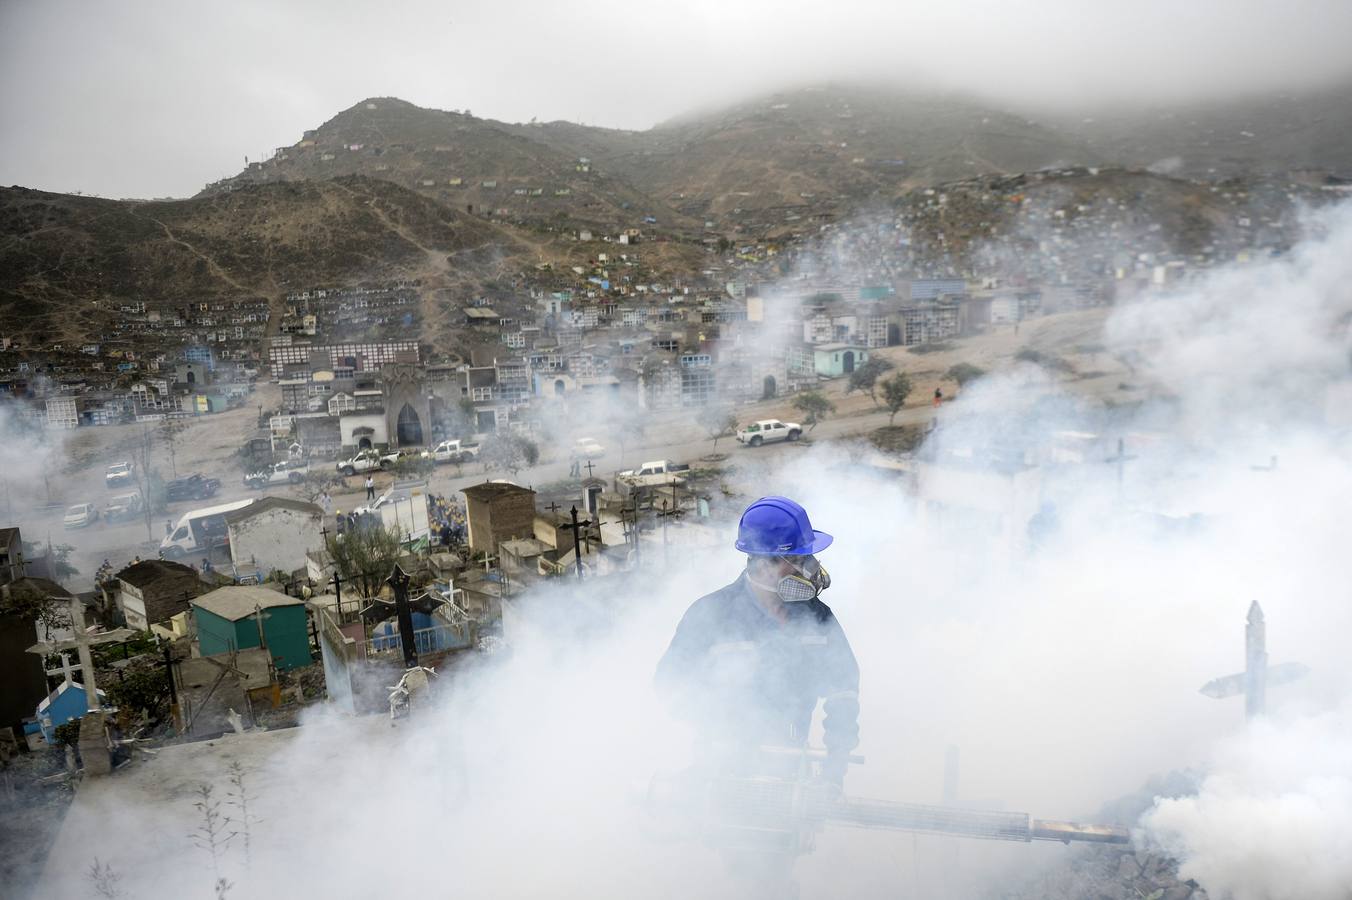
(119, 474)
(656, 467)
(767, 431)
(285, 472)
(654, 474)
(367, 461)
(455, 451)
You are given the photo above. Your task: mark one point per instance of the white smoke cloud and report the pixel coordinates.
(1066, 676)
(1274, 816)
(1257, 342)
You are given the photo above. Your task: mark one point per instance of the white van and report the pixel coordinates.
(199, 530)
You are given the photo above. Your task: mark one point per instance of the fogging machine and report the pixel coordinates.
(782, 813)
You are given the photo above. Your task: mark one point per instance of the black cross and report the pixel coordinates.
(553, 507)
(338, 594)
(577, 549)
(399, 580)
(589, 468)
(1121, 459)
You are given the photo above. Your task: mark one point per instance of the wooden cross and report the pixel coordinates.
(590, 467)
(553, 507)
(259, 616)
(81, 642)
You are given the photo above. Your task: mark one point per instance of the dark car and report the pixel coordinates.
(191, 487)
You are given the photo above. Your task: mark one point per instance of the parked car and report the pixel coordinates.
(767, 431)
(367, 461)
(587, 448)
(455, 451)
(656, 467)
(191, 487)
(291, 471)
(655, 474)
(119, 475)
(80, 515)
(123, 507)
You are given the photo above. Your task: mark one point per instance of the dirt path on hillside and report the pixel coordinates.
(211, 262)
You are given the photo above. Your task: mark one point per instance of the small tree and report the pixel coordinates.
(141, 688)
(147, 479)
(465, 419)
(57, 556)
(240, 798)
(211, 835)
(964, 373)
(509, 452)
(895, 391)
(717, 422)
(865, 378)
(105, 879)
(170, 430)
(25, 601)
(814, 406)
(364, 557)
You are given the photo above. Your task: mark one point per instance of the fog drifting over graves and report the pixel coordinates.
(154, 98)
(1067, 676)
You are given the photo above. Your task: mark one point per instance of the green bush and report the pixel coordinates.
(1045, 360)
(68, 735)
(139, 688)
(934, 347)
(964, 373)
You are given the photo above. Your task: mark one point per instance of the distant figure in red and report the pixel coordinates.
(938, 396)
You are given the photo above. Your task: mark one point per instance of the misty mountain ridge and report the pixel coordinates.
(389, 190)
(825, 149)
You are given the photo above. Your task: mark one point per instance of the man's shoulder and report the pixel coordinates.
(719, 601)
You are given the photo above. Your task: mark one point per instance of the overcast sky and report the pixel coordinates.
(158, 97)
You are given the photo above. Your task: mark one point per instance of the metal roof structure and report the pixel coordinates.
(235, 602)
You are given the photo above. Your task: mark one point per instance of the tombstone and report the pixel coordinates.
(235, 720)
(592, 489)
(96, 750)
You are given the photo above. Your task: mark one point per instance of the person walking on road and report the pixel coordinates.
(370, 488)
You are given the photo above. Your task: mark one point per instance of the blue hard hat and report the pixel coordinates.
(776, 526)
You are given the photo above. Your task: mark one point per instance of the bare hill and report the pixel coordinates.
(469, 164)
(67, 262)
(817, 153)
(830, 150)
(1273, 134)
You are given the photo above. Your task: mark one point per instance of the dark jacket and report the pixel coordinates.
(743, 677)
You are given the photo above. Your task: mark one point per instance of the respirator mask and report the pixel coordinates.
(806, 582)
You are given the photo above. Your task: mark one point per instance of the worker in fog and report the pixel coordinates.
(749, 662)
